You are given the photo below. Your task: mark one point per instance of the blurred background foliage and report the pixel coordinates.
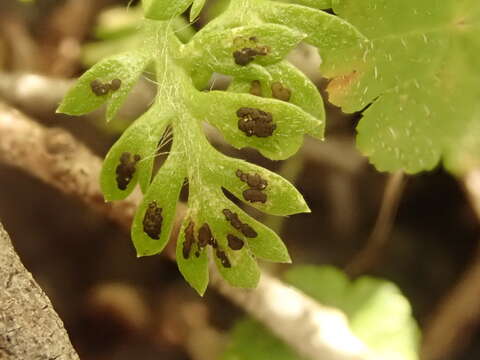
(142, 308)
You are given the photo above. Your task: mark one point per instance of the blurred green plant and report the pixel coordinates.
(378, 314)
(270, 107)
(421, 73)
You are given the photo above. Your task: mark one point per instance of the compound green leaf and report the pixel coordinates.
(82, 99)
(219, 46)
(242, 270)
(158, 207)
(193, 268)
(220, 110)
(421, 73)
(265, 244)
(140, 139)
(304, 93)
(329, 33)
(281, 197)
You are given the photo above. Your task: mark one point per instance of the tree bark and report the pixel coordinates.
(29, 326)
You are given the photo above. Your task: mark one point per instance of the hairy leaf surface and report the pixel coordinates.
(421, 72)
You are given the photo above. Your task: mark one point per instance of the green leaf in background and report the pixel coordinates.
(421, 71)
(377, 312)
(251, 340)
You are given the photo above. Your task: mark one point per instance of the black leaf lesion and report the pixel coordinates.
(237, 224)
(222, 256)
(234, 242)
(256, 186)
(255, 122)
(190, 241)
(248, 49)
(100, 88)
(152, 221)
(126, 169)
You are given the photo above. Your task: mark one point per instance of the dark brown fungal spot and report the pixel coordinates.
(244, 56)
(115, 84)
(228, 213)
(281, 92)
(197, 253)
(126, 169)
(256, 88)
(247, 50)
(248, 231)
(255, 122)
(213, 243)
(223, 258)
(152, 221)
(189, 239)
(99, 88)
(254, 195)
(237, 224)
(205, 236)
(254, 181)
(234, 242)
(232, 218)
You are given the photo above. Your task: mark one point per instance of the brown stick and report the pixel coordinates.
(459, 311)
(58, 159)
(371, 253)
(29, 326)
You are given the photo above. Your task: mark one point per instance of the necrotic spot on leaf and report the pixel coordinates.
(152, 221)
(189, 240)
(235, 221)
(254, 181)
(234, 242)
(247, 49)
(232, 218)
(248, 231)
(126, 169)
(254, 195)
(115, 84)
(205, 236)
(281, 92)
(256, 88)
(223, 258)
(255, 122)
(244, 57)
(99, 88)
